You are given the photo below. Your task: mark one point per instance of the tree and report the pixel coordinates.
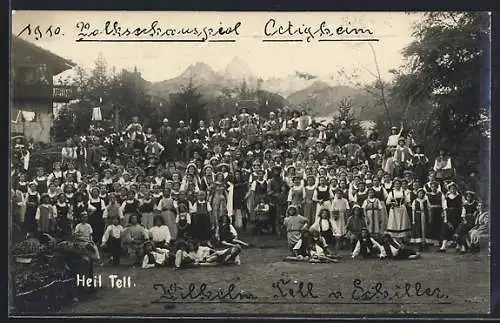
(64, 126)
(439, 88)
(345, 114)
(187, 105)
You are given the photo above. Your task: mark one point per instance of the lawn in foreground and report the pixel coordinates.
(463, 282)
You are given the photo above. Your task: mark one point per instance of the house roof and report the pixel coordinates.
(57, 63)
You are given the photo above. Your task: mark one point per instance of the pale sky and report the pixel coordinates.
(163, 60)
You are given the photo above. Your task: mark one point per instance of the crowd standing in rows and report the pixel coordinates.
(185, 192)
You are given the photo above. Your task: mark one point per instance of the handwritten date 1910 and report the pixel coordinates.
(39, 32)
(288, 289)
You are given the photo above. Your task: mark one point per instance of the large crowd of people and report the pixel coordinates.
(184, 193)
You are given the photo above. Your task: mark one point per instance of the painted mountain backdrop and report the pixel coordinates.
(321, 97)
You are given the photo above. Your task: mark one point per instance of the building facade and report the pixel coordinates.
(33, 91)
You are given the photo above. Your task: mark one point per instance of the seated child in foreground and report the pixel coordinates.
(154, 257)
(311, 247)
(395, 250)
(368, 247)
(294, 225)
(228, 234)
(190, 254)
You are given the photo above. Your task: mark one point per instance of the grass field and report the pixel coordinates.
(463, 282)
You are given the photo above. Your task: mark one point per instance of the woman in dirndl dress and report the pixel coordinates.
(454, 203)
(420, 219)
(168, 208)
(339, 207)
(399, 222)
(309, 204)
(437, 204)
(381, 194)
(372, 208)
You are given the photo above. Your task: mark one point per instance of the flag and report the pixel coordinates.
(267, 102)
(96, 114)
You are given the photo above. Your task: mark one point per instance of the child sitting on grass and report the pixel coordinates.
(154, 257)
(228, 234)
(294, 224)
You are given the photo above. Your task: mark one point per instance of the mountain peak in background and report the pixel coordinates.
(238, 69)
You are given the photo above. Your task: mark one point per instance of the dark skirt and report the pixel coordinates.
(200, 227)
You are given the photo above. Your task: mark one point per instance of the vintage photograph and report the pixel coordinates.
(249, 163)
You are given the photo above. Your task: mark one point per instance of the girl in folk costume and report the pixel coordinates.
(183, 221)
(147, 209)
(80, 206)
(113, 209)
(443, 166)
(41, 180)
(258, 189)
(408, 192)
(322, 195)
(361, 194)
(432, 179)
(309, 203)
(83, 236)
(368, 247)
(453, 214)
(112, 240)
(402, 158)
(389, 163)
(355, 223)
(470, 213)
(168, 208)
(45, 215)
(207, 179)
(398, 224)
(343, 187)
(228, 234)
(108, 179)
(219, 203)
(154, 256)
(437, 204)
(134, 236)
(396, 250)
(387, 182)
(63, 216)
(18, 207)
(372, 209)
(201, 218)
(262, 215)
(294, 224)
(420, 164)
(377, 159)
(103, 193)
(339, 208)
(381, 194)
(290, 175)
(421, 220)
(56, 172)
(23, 183)
(480, 229)
(32, 199)
(160, 232)
(73, 172)
(296, 194)
(95, 218)
(156, 194)
(53, 191)
(240, 187)
(325, 226)
(130, 206)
